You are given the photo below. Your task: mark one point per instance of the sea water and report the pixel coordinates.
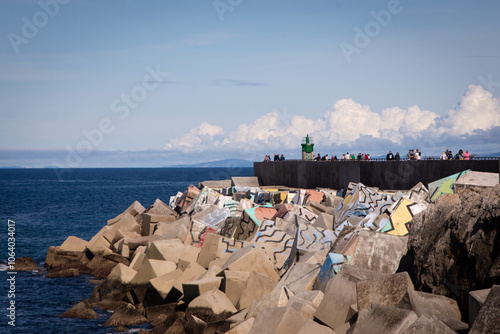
(45, 206)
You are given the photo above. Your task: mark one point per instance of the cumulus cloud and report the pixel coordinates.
(346, 124)
(198, 139)
(478, 110)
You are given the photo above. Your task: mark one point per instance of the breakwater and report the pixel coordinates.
(382, 174)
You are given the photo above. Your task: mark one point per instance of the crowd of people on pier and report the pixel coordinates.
(277, 157)
(413, 154)
(448, 155)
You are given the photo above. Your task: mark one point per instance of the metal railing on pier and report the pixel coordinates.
(383, 159)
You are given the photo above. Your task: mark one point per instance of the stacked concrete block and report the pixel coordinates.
(324, 221)
(183, 201)
(158, 212)
(331, 266)
(278, 320)
(442, 307)
(379, 252)
(235, 283)
(215, 246)
(122, 274)
(385, 290)
(270, 260)
(486, 320)
(252, 259)
(73, 244)
(428, 325)
(151, 269)
(340, 295)
(276, 243)
(204, 224)
(315, 239)
(196, 288)
(245, 181)
(476, 302)
(384, 319)
(162, 285)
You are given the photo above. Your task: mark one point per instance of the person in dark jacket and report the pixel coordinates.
(389, 156)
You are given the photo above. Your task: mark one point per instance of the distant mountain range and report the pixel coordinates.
(218, 163)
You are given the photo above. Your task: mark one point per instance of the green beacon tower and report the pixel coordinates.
(307, 148)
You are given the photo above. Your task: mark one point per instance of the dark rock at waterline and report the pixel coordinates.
(25, 264)
(454, 246)
(82, 310)
(63, 273)
(58, 259)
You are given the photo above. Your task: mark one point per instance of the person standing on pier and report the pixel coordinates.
(389, 156)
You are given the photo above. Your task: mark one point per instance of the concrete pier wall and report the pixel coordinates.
(398, 175)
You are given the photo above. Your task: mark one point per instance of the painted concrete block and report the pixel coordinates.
(215, 246)
(444, 185)
(324, 221)
(276, 243)
(300, 277)
(330, 267)
(314, 239)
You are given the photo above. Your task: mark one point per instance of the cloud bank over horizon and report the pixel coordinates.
(349, 124)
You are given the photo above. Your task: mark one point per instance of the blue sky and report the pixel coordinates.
(153, 83)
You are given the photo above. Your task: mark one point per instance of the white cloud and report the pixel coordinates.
(198, 139)
(344, 124)
(478, 109)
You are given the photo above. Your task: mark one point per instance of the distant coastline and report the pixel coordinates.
(226, 163)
